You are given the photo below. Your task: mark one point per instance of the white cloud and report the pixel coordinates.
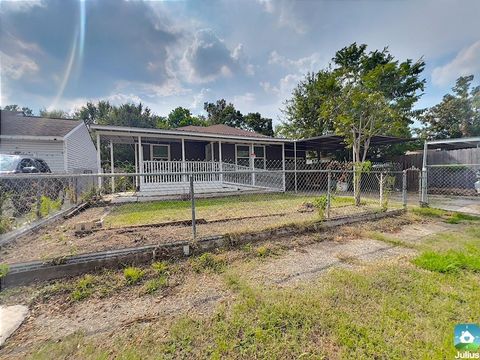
(199, 99)
(305, 64)
(18, 66)
(284, 11)
(19, 5)
(466, 62)
(171, 87)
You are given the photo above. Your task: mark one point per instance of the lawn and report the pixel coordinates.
(231, 207)
(387, 310)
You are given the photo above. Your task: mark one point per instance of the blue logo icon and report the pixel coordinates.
(467, 337)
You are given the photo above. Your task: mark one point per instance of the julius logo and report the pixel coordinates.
(467, 337)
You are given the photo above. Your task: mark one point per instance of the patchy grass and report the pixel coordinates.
(208, 262)
(450, 217)
(155, 284)
(215, 208)
(83, 288)
(449, 262)
(133, 275)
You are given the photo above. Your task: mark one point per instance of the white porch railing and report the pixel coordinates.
(206, 172)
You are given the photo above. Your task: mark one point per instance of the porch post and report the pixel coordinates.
(183, 161)
(140, 161)
(220, 163)
(252, 162)
(283, 166)
(99, 161)
(136, 164)
(295, 162)
(112, 170)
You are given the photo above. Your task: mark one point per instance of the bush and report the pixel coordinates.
(208, 262)
(48, 206)
(83, 288)
(133, 275)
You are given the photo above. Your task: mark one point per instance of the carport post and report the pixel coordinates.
(283, 166)
(424, 200)
(112, 170)
(295, 162)
(329, 193)
(140, 161)
(99, 162)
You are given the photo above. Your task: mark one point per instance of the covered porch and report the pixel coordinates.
(164, 160)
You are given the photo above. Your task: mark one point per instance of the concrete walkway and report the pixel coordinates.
(11, 317)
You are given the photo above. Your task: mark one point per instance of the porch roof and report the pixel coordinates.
(125, 134)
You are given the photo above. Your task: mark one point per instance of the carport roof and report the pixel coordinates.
(453, 144)
(336, 142)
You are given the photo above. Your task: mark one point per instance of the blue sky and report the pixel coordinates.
(61, 53)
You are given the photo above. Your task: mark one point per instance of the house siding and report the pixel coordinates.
(81, 154)
(50, 151)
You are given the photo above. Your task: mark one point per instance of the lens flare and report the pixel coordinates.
(76, 54)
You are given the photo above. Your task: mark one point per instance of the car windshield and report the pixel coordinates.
(8, 162)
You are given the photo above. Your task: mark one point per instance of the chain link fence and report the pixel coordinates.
(190, 205)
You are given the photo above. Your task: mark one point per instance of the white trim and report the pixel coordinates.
(151, 151)
(74, 129)
(22, 137)
(167, 133)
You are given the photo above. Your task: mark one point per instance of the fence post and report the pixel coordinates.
(381, 189)
(404, 188)
(424, 198)
(192, 196)
(329, 189)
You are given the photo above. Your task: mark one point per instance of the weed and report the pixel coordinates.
(3, 270)
(263, 251)
(161, 267)
(208, 262)
(83, 288)
(154, 284)
(48, 206)
(133, 275)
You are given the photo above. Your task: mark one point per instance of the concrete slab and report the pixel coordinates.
(11, 317)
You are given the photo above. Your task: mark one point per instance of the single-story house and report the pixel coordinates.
(66, 145)
(217, 154)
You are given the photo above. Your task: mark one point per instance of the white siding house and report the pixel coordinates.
(64, 144)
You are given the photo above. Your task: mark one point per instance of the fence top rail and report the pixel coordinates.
(452, 165)
(186, 173)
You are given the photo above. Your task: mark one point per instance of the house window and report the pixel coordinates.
(259, 162)
(160, 152)
(243, 155)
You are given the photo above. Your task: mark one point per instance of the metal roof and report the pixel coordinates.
(458, 143)
(336, 142)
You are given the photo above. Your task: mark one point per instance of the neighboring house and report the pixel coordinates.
(64, 144)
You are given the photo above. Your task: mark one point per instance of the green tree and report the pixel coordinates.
(303, 116)
(91, 113)
(457, 115)
(180, 116)
(14, 107)
(259, 124)
(54, 114)
(223, 113)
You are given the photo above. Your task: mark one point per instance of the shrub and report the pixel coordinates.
(208, 262)
(83, 288)
(48, 206)
(133, 275)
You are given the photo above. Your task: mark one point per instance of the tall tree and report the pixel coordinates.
(259, 124)
(91, 113)
(457, 115)
(180, 116)
(223, 113)
(14, 107)
(54, 114)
